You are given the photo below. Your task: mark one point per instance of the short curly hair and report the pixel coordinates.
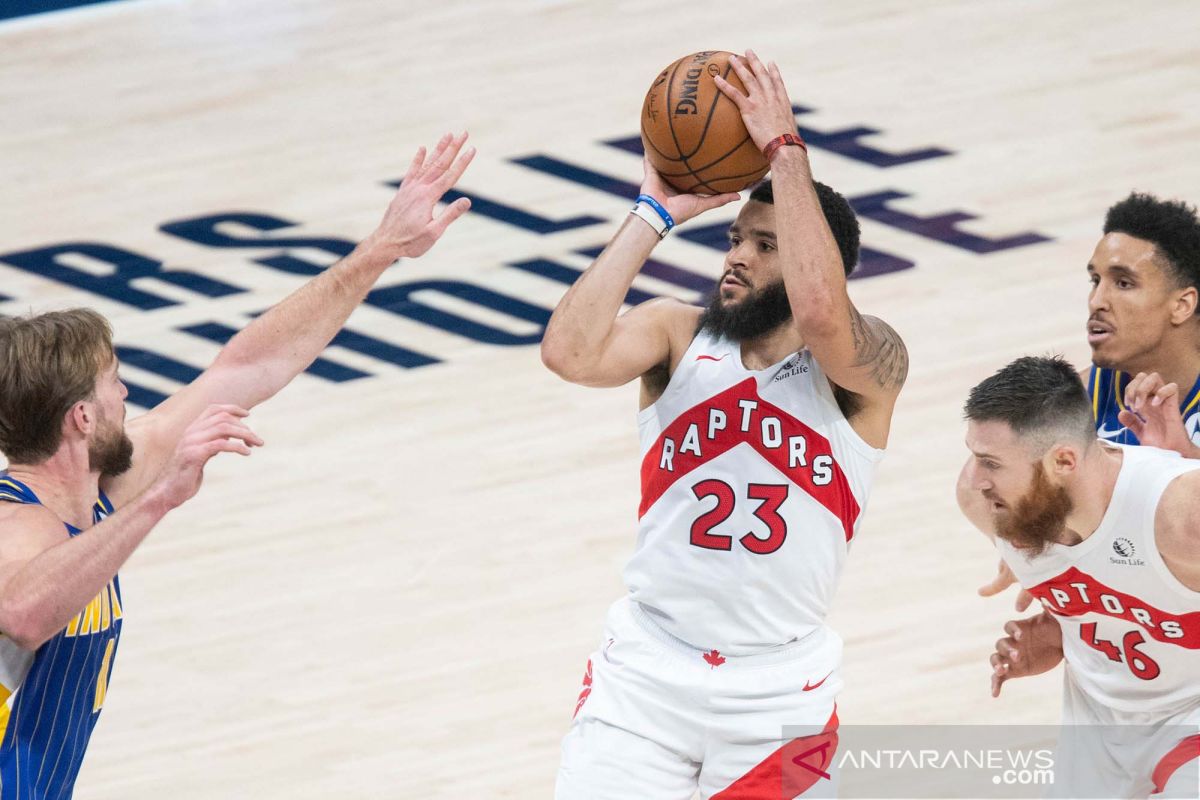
(1170, 225)
(838, 214)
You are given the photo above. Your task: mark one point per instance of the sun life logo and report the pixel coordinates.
(1123, 547)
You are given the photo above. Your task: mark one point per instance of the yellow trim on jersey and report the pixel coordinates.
(5, 710)
(1121, 405)
(7, 482)
(1192, 404)
(1096, 394)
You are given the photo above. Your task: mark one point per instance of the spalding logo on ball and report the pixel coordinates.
(693, 134)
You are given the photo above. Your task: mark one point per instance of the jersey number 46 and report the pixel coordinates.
(1140, 664)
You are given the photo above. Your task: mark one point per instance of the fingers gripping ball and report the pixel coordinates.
(693, 134)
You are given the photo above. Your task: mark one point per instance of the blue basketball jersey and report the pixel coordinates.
(52, 697)
(1106, 388)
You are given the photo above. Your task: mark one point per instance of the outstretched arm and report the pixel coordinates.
(47, 577)
(860, 353)
(269, 352)
(587, 340)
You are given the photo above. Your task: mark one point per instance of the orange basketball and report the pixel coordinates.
(693, 134)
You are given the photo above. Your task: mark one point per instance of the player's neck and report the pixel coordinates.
(770, 348)
(1177, 363)
(64, 483)
(1093, 491)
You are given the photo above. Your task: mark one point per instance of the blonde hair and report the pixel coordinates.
(48, 363)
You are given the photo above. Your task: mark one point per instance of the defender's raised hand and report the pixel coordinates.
(1152, 413)
(765, 106)
(409, 228)
(219, 429)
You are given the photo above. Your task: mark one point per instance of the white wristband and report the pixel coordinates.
(652, 219)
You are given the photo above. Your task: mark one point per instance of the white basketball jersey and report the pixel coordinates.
(753, 484)
(1131, 630)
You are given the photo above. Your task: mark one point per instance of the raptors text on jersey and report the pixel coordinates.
(753, 485)
(1131, 629)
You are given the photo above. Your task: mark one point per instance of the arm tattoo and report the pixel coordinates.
(880, 348)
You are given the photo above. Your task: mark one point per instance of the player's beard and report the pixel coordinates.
(111, 452)
(759, 312)
(1037, 519)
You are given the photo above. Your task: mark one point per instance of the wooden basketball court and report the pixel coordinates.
(397, 595)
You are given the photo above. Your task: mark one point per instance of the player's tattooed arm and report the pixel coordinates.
(861, 354)
(879, 350)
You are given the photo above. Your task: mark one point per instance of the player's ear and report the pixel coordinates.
(1185, 305)
(1061, 460)
(80, 417)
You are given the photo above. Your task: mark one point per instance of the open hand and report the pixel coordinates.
(765, 107)
(409, 228)
(218, 429)
(1152, 413)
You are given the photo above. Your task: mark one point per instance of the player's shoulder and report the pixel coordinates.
(1177, 519)
(670, 310)
(674, 318)
(1182, 495)
(28, 525)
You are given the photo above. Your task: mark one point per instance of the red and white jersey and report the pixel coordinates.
(753, 484)
(1131, 630)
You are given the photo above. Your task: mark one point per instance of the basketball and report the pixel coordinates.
(693, 134)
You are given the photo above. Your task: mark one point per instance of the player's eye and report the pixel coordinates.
(734, 241)
(765, 247)
(1123, 284)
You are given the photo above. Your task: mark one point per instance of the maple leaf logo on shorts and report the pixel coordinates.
(714, 658)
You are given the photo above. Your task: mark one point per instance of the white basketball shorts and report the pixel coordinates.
(1107, 753)
(658, 719)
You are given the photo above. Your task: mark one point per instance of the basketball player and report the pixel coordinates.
(1145, 276)
(1108, 538)
(82, 490)
(763, 417)
(1143, 331)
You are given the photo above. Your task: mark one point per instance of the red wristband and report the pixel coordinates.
(781, 141)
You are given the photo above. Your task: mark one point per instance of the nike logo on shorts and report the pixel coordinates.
(808, 688)
(1104, 433)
